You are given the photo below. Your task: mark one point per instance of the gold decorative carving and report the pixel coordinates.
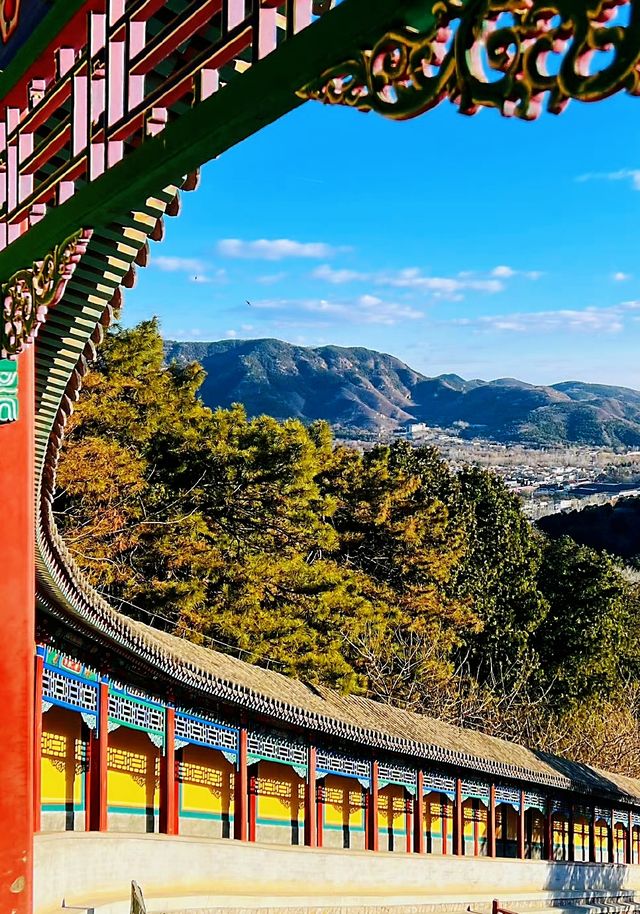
(504, 54)
(28, 294)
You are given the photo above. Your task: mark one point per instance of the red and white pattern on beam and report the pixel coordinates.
(118, 73)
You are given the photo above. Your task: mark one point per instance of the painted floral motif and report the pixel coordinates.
(9, 18)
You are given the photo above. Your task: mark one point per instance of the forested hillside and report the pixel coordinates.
(357, 389)
(382, 573)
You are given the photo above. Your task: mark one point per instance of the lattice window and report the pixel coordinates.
(217, 781)
(331, 762)
(620, 817)
(398, 774)
(137, 765)
(535, 801)
(275, 747)
(601, 813)
(439, 783)
(635, 818)
(475, 814)
(69, 691)
(440, 810)
(135, 712)
(341, 800)
(506, 794)
(205, 732)
(55, 749)
(582, 812)
(280, 790)
(476, 790)
(559, 807)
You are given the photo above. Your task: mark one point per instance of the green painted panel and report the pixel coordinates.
(8, 391)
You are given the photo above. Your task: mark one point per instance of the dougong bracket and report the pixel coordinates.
(28, 294)
(504, 54)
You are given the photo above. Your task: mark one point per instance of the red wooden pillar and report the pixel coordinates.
(572, 833)
(522, 818)
(320, 816)
(310, 802)
(17, 598)
(168, 805)
(592, 836)
(253, 802)
(408, 819)
(629, 856)
(373, 842)
(418, 819)
(491, 821)
(98, 751)
(241, 791)
(548, 830)
(37, 741)
(458, 821)
(610, 842)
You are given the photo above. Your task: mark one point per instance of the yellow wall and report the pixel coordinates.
(392, 826)
(475, 828)
(560, 837)
(602, 841)
(438, 817)
(279, 804)
(506, 830)
(343, 812)
(206, 793)
(63, 767)
(620, 843)
(581, 839)
(132, 781)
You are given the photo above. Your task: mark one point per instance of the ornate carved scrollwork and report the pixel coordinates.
(28, 294)
(504, 54)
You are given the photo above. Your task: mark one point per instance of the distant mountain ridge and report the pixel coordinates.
(358, 389)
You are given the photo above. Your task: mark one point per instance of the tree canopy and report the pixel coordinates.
(384, 573)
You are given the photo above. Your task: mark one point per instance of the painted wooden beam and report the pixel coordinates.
(216, 124)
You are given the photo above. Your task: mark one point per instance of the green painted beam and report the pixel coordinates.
(253, 100)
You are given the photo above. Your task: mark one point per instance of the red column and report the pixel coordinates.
(611, 844)
(17, 598)
(310, 802)
(241, 793)
(572, 835)
(320, 816)
(491, 821)
(522, 844)
(373, 843)
(37, 741)
(408, 818)
(458, 821)
(592, 836)
(418, 820)
(548, 830)
(168, 806)
(630, 838)
(253, 802)
(98, 749)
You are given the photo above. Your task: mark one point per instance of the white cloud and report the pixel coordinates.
(276, 249)
(586, 320)
(623, 174)
(447, 287)
(367, 309)
(270, 279)
(179, 265)
(338, 277)
(621, 277)
(503, 272)
(231, 334)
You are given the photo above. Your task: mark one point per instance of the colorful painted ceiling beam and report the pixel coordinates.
(152, 92)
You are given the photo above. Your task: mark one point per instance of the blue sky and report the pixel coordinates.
(483, 246)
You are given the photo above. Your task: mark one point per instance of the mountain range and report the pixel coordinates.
(359, 390)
